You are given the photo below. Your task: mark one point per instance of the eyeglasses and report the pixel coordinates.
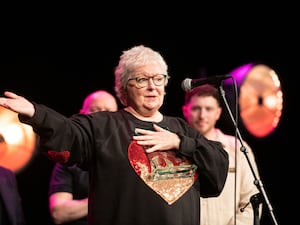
(143, 80)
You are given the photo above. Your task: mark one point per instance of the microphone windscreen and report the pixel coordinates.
(186, 84)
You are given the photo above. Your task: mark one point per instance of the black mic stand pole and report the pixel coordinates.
(255, 199)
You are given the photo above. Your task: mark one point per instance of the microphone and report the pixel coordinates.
(188, 84)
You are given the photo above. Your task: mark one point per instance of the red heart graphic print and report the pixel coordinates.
(164, 172)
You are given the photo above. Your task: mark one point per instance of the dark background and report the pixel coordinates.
(58, 60)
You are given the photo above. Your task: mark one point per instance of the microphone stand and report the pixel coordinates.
(257, 198)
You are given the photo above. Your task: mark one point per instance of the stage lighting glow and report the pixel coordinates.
(17, 141)
(260, 98)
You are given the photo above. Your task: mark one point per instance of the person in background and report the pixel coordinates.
(11, 210)
(202, 109)
(144, 167)
(68, 189)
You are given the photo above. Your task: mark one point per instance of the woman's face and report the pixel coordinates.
(146, 89)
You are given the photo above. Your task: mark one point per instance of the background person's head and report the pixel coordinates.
(99, 100)
(202, 108)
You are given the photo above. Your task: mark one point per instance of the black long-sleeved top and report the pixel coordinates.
(128, 186)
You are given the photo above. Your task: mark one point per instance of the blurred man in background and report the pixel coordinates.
(202, 109)
(68, 190)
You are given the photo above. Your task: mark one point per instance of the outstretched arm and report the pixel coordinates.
(17, 104)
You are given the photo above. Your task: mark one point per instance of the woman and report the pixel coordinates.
(144, 167)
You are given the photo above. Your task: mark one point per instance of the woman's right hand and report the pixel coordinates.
(17, 104)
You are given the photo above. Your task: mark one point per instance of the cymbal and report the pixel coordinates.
(17, 141)
(260, 98)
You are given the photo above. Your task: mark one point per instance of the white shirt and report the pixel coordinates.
(221, 210)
